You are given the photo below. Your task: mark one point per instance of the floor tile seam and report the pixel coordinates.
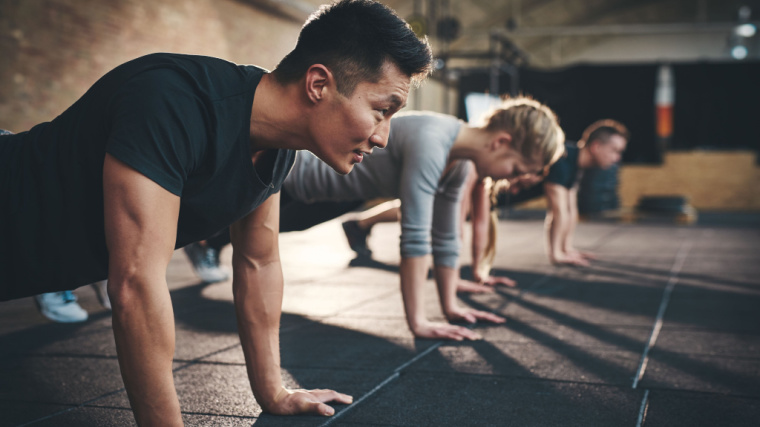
(655, 351)
(210, 414)
(575, 345)
(188, 363)
(425, 372)
(358, 304)
(396, 373)
(73, 408)
(678, 263)
(38, 402)
(57, 356)
(702, 392)
(712, 330)
(576, 322)
(403, 367)
(368, 370)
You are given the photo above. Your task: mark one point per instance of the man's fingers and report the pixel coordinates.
(332, 396)
(313, 401)
(318, 408)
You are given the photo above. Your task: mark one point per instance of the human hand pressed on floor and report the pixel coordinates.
(499, 280)
(569, 259)
(291, 402)
(471, 287)
(470, 315)
(437, 330)
(582, 254)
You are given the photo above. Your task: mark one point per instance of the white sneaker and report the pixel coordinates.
(60, 307)
(101, 291)
(205, 262)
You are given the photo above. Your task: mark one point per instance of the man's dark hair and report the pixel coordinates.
(602, 130)
(354, 39)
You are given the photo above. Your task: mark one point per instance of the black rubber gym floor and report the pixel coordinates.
(664, 330)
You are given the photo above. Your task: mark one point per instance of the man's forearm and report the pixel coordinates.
(143, 326)
(258, 305)
(556, 232)
(572, 222)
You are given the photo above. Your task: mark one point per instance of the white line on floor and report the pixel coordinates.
(683, 251)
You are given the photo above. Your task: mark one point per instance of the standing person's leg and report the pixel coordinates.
(358, 230)
(204, 257)
(299, 216)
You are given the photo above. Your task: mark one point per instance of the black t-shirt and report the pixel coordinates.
(565, 171)
(183, 121)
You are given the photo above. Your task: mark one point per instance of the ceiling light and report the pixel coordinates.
(745, 30)
(739, 52)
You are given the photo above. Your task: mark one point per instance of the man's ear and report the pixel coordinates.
(318, 78)
(593, 146)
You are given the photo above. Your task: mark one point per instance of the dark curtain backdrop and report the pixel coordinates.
(716, 105)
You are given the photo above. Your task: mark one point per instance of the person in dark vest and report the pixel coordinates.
(169, 149)
(601, 146)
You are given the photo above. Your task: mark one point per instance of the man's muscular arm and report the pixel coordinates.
(140, 225)
(257, 285)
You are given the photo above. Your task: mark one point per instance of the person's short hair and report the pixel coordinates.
(602, 130)
(534, 128)
(354, 39)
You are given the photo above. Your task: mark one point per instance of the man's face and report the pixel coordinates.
(347, 128)
(606, 154)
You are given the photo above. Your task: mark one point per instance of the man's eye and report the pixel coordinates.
(383, 111)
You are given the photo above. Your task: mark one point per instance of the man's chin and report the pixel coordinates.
(343, 169)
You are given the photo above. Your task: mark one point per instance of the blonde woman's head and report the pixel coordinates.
(533, 126)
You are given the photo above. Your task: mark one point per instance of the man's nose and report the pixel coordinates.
(380, 137)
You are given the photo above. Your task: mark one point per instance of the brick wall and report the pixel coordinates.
(713, 180)
(51, 51)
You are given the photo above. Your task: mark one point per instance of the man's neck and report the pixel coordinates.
(276, 116)
(584, 158)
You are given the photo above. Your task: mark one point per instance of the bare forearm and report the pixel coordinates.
(556, 232)
(446, 279)
(480, 223)
(413, 276)
(572, 221)
(258, 305)
(143, 326)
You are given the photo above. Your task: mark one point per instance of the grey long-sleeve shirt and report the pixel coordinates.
(412, 169)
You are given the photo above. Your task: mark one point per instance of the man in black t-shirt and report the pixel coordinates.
(169, 149)
(601, 146)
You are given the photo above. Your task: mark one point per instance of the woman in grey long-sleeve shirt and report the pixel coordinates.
(425, 165)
